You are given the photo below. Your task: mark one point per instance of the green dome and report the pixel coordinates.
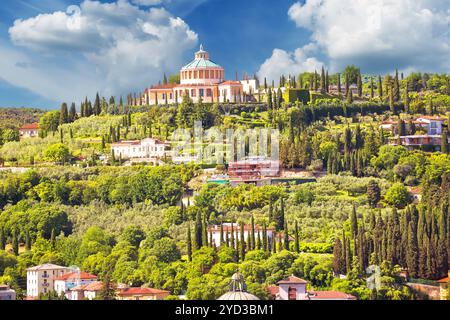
(201, 63)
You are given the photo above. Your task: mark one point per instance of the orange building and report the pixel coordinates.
(200, 79)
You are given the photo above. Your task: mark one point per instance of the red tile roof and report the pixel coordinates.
(273, 290)
(75, 275)
(168, 86)
(93, 286)
(30, 126)
(229, 82)
(444, 280)
(292, 279)
(330, 295)
(141, 291)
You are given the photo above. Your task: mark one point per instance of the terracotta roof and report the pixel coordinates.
(163, 86)
(230, 82)
(273, 290)
(444, 280)
(330, 295)
(292, 279)
(93, 286)
(75, 275)
(141, 291)
(46, 266)
(30, 126)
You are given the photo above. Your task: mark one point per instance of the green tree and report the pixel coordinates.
(373, 193)
(57, 152)
(398, 196)
(64, 114)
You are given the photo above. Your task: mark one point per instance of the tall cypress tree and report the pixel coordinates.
(338, 263)
(221, 234)
(264, 238)
(15, 242)
(286, 236)
(242, 241)
(64, 114)
(412, 255)
(198, 231)
(354, 222)
(2, 238)
(380, 88)
(297, 238)
(251, 240)
(189, 242)
(339, 84)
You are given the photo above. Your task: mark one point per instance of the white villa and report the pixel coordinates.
(41, 278)
(146, 148)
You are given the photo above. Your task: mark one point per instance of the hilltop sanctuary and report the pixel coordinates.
(202, 79)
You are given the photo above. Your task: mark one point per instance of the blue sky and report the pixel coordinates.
(125, 45)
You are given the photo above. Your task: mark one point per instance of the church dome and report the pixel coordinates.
(201, 70)
(238, 289)
(201, 61)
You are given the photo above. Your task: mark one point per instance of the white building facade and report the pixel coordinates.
(41, 278)
(146, 148)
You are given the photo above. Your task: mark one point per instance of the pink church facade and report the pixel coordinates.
(201, 79)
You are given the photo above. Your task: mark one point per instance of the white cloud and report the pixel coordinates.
(118, 48)
(283, 62)
(378, 35)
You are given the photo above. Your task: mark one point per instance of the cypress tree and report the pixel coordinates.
(242, 241)
(198, 231)
(189, 242)
(221, 234)
(322, 80)
(396, 87)
(442, 248)
(391, 98)
(280, 215)
(205, 232)
(264, 238)
(252, 235)
(380, 88)
(407, 100)
(2, 238)
(359, 80)
(64, 114)
(280, 243)
(339, 84)
(354, 222)
(373, 193)
(444, 142)
(97, 107)
(258, 241)
(372, 93)
(72, 112)
(286, 236)
(15, 242)
(297, 238)
(274, 242)
(232, 237)
(338, 263)
(412, 255)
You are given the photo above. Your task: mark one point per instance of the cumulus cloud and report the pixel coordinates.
(378, 35)
(283, 62)
(113, 47)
